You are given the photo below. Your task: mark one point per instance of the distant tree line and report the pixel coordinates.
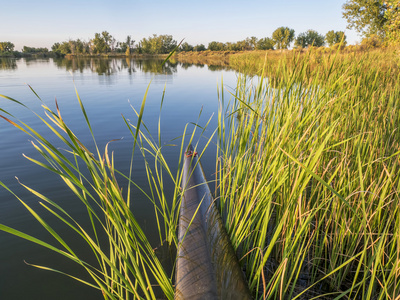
(250, 43)
(8, 49)
(105, 43)
(281, 38)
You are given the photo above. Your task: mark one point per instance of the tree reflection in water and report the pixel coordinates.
(152, 65)
(8, 63)
(108, 66)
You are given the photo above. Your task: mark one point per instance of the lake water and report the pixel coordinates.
(108, 88)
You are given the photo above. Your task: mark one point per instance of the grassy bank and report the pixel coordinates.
(319, 61)
(308, 175)
(307, 181)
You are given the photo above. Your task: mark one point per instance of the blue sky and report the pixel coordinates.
(41, 23)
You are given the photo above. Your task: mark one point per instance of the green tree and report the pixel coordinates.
(129, 43)
(335, 37)
(231, 46)
(161, 44)
(99, 44)
(372, 41)
(309, 38)
(6, 47)
(199, 47)
(282, 37)
(65, 48)
(167, 43)
(55, 47)
(253, 42)
(315, 39)
(330, 38)
(102, 43)
(139, 47)
(186, 47)
(112, 44)
(301, 40)
(26, 49)
(366, 16)
(265, 44)
(392, 25)
(126, 47)
(108, 39)
(82, 47)
(216, 46)
(247, 44)
(244, 45)
(72, 46)
(61, 49)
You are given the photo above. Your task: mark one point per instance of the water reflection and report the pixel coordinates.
(8, 63)
(186, 65)
(31, 61)
(109, 66)
(214, 63)
(155, 66)
(216, 68)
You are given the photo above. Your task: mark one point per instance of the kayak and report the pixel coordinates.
(207, 267)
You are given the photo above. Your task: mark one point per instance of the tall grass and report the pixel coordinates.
(308, 178)
(384, 61)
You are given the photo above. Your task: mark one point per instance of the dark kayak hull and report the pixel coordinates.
(207, 267)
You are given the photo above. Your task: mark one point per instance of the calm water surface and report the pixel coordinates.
(108, 89)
